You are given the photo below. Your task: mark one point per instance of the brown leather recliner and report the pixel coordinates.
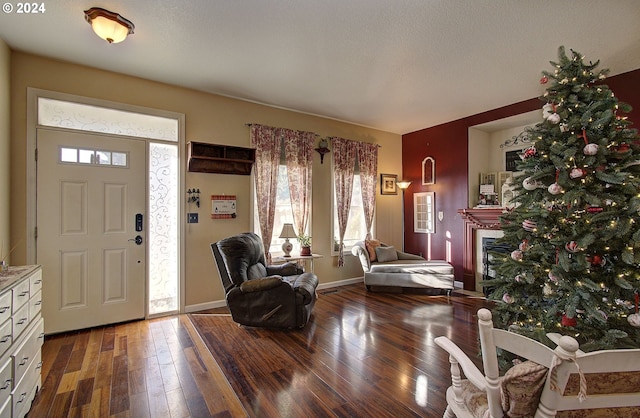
(261, 295)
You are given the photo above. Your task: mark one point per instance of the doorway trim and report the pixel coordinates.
(33, 94)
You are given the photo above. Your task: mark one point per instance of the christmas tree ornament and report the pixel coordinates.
(594, 209)
(524, 245)
(554, 118)
(547, 110)
(518, 278)
(568, 322)
(506, 298)
(590, 149)
(572, 247)
(529, 225)
(529, 184)
(554, 188)
(634, 320)
(544, 80)
(564, 127)
(516, 255)
(547, 290)
(596, 260)
(528, 153)
(553, 277)
(577, 173)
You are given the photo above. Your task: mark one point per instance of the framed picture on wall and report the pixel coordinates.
(388, 184)
(510, 159)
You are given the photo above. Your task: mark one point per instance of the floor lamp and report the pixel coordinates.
(403, 186)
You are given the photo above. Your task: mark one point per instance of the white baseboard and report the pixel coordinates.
(221, 303)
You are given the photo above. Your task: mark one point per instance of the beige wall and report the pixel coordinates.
(209, 118)
(5, 60)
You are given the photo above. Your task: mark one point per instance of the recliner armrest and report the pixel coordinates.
(286, 269)
(261, 284)
(305, 285)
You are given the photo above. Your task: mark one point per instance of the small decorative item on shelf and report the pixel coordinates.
(4, 264)
(305, 244)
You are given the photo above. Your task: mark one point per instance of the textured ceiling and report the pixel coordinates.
(395, 65)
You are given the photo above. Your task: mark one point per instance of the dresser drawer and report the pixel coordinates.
(25, 391)
(35, 304)
(5, 305)
(20, 295)
(35, 282)
(28, 350)
(6, 336)
(5, 409)
(6, 382)
(20, 321)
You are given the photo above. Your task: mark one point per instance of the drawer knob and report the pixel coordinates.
(22, 321)
(38, 303)
(24, 361)
(5, 338)
(4, 309)
(23, 396)
(25, 293)
(7, 384)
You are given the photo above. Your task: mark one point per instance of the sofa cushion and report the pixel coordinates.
(371, 245)
(385, 254)
(435, 267)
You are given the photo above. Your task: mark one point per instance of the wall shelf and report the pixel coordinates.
(221, 159)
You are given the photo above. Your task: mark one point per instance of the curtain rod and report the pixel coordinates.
(249, 124)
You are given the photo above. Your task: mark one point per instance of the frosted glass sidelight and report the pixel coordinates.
(163, 228)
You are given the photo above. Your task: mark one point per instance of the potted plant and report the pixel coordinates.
(305, 244)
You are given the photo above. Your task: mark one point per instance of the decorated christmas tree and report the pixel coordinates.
(575, 232)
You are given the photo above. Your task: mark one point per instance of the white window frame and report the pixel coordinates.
(424, 204)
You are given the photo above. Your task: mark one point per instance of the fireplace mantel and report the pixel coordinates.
(475, 219)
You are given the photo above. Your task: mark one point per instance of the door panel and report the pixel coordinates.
(86, 228)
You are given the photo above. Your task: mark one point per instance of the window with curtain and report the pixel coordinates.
(356, 226)
(351, 158)
(283, 180)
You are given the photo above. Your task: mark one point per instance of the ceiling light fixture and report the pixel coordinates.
(110, 26)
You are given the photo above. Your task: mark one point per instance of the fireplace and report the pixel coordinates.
(490, 246)
(474, 220)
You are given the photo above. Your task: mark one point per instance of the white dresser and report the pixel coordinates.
(21, 338)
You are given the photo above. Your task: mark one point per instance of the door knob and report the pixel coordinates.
(137, 240)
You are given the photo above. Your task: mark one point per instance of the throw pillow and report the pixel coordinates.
(257, 285)
(371, 245)
(385, 254)
(521, 388)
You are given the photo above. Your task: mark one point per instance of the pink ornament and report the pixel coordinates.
(555, 188)
(518, 278)
(553, 277)
(529, 225)
(544, 79)
(572, 247)
(516, 255)
(506, 298)
(576, 173)
(524, 245)
(590, 149)
(633, 319)
(554, 118)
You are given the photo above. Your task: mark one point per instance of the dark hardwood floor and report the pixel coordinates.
(362, 354)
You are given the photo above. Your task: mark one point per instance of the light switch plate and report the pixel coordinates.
(192, 218)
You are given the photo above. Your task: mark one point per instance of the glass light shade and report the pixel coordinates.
(110, 26)
(288, 231)
(403, 184)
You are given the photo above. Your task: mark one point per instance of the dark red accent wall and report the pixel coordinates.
(448, 144)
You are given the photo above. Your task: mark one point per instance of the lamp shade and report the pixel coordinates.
(288, 231)
(403, 184)
(110, 26)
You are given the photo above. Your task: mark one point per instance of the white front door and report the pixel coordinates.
(91, 189)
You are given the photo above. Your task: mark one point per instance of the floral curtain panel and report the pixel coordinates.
(268, 148)
(298, 149)
(368, 163)
(344, 155)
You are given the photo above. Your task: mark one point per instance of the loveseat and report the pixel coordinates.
(383, 265)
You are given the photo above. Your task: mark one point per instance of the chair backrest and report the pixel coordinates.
(562, 362)
(239, 258)
(491, 339)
